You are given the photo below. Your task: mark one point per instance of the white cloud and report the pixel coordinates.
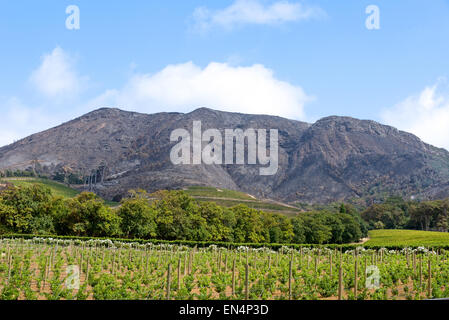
(176, 88)
(425, 114)
(56, 76)
(243, 12)
(19, 120)
(57, 81)
(183, 87)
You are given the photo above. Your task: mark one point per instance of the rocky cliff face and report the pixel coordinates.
(335, 159)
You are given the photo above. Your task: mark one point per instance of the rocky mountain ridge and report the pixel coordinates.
(334, 159)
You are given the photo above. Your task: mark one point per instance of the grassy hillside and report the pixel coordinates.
(211, 192)
(223, 197)
(230, 198)
(407, 238)
(57, 189)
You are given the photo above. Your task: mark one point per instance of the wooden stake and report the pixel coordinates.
(330, 265)
(168, 281)
(246, 282)
(290, 281)
(190, 262)
(87, 271)
(226, 263)
(269, 261)
(233, 278)
(429, 285)
(9, 269)
(113, 262)
(146, 264)
(414, 264)
(179, 274)
(340, 281)
(355, 276)
(420, 272)
(185, 264)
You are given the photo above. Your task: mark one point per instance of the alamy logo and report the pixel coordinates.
(73, 20)
(213, 153)
(72, 281)
(372, 277)
(373, 20)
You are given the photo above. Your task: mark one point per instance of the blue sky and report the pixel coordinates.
(299, 59)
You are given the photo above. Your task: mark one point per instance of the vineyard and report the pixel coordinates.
(56, 269)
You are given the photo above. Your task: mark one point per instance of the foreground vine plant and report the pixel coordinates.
(39, 268)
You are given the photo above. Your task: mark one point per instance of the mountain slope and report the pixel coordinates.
(335, 159)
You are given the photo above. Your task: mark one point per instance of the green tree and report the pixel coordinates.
(299, 230)
(86, 215)
(316, 230)
(219, 221)
(137, 216)
(178, 217)
(249, 225)
(28, 209)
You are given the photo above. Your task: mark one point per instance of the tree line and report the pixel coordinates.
(169, 215)
(395, 213)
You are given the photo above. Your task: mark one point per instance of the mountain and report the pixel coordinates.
(334, 159)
